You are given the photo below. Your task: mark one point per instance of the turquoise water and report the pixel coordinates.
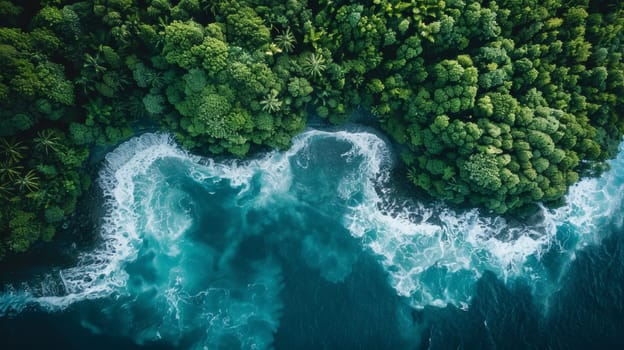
(316, 248)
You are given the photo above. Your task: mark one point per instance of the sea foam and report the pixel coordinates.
(432, 254)
(99, 273)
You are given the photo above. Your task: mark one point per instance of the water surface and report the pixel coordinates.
(312, 248)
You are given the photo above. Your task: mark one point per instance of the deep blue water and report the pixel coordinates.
(316, 248)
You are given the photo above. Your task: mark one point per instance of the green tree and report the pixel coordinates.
(313, 65)
(25, 230)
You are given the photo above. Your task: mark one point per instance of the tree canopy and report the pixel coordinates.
(491, 104)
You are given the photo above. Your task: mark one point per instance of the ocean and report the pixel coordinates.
(318, 247)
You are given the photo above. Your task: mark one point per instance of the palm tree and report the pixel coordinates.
(47, 140)
(271, 103)
(12, 150)
(9, 170)
(115, 80)
(412, 175)
(93, 62)
(40, 198)
(454, 186)
(5, 190)
(313, 65)
(29, 182)
(86, 83)
(135, 107)
(357, 80)
(321, 97)
(286, 41)
(157, 80)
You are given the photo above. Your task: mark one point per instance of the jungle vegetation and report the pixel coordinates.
(494, 103)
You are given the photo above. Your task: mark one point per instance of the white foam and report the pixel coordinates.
(414, 243)
(432, 254)
(592, 203)
(99, 273)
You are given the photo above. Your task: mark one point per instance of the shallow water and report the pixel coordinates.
(311, 248)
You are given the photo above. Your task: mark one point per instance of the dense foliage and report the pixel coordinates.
(497, 104)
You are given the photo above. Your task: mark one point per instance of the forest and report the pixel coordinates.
(495, 104)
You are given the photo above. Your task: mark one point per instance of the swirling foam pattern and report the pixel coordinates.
(193, 249)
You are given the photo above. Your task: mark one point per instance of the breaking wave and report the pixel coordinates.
(193, 248)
